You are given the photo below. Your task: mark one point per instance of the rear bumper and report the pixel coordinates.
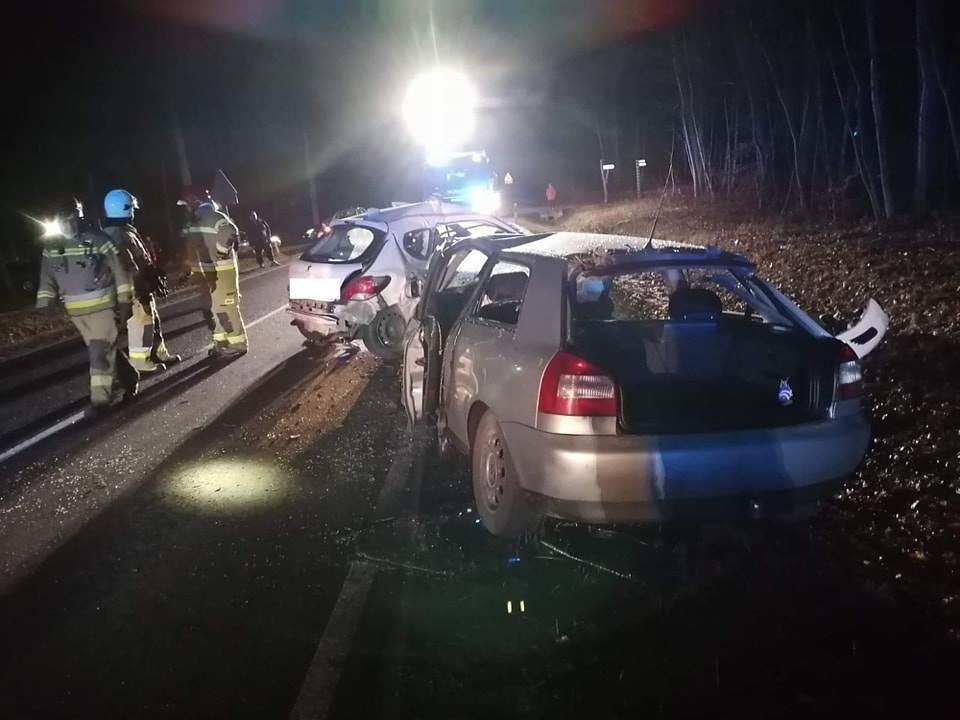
(309, 323)
(345, 319)
(630, 478)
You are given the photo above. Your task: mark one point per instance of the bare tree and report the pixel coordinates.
(944, 85)
(876, 98)
(922, 170)
(790, 126)
(862, 168)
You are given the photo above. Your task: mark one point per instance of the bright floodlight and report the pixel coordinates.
(439, 109)
(52, 228)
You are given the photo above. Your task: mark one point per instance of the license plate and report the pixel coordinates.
(321, 289)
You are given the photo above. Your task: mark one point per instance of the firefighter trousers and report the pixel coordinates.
(144, 335)
(108, 366)
(220, 305)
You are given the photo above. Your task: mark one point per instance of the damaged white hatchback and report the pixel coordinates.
(610, 379)
(354, 281)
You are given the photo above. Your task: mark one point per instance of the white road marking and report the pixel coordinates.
(79, 415)
(251, 324)
(320, 684)
(52, 430)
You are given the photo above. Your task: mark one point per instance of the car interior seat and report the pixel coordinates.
(695, 304)
(502, 297)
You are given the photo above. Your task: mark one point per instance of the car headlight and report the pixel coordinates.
(484, 200)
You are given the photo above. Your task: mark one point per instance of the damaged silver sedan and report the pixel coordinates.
(610, 379)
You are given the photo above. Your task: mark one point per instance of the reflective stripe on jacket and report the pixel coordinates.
(85, 273)
(209, 236)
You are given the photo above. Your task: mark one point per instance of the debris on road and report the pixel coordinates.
(402, 565)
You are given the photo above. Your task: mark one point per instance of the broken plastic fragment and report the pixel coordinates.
(867, 333)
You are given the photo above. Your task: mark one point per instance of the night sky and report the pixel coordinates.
(93, 89)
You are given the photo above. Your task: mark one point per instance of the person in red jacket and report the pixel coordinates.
(551, 197)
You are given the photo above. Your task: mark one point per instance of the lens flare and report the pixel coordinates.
(439, 110)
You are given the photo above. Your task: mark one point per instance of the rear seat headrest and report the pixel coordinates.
(695, 304)
(506, 286)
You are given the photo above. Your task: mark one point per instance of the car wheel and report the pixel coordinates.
(384, 335)
(501, 502)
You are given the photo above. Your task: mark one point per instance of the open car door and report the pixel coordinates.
(452, 277)
(421, 370)
(422, 342)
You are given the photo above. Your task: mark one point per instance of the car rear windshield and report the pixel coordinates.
(672, 294)
(346, 244)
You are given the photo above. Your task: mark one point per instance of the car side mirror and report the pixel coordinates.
(414, 288)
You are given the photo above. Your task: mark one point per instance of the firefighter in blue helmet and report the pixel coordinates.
(146, 348)
(81, 268)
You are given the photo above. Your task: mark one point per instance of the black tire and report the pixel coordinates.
(384, 335)
(503, 505)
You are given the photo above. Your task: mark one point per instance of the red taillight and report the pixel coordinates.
(849, 375)
(364, 288)
(572, 386)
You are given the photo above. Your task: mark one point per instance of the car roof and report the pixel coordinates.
(421, 209)
(624, 249)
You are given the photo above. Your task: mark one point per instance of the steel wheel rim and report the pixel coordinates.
(390, 330)
(493, 471)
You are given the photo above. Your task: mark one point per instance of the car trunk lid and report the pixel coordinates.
(320, 282)
(336, 258)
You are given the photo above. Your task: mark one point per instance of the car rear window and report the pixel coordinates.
(670, 294)
(345, 244)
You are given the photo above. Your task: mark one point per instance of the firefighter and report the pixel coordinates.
(260, 239)
(211, 240)
(82, 268)
(146, 348)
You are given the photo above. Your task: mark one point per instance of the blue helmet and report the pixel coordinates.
(119, 204)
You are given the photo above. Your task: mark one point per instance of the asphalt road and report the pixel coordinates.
(44, 386)
(266, 539)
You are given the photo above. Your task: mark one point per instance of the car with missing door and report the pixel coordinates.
(614, 379)
(353, 282)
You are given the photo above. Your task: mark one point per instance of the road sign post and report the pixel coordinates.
(605, 169)
(640, 165)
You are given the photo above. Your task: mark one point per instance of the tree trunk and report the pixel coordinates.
(701, 157)
(790, 128)
(922, 170)
(868, 184)
(876, 99)
(687, 144)
(760, 158)
(948, 106)
(181, 145)
(311, 178)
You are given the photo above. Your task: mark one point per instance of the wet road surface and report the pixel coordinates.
(292, 550)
